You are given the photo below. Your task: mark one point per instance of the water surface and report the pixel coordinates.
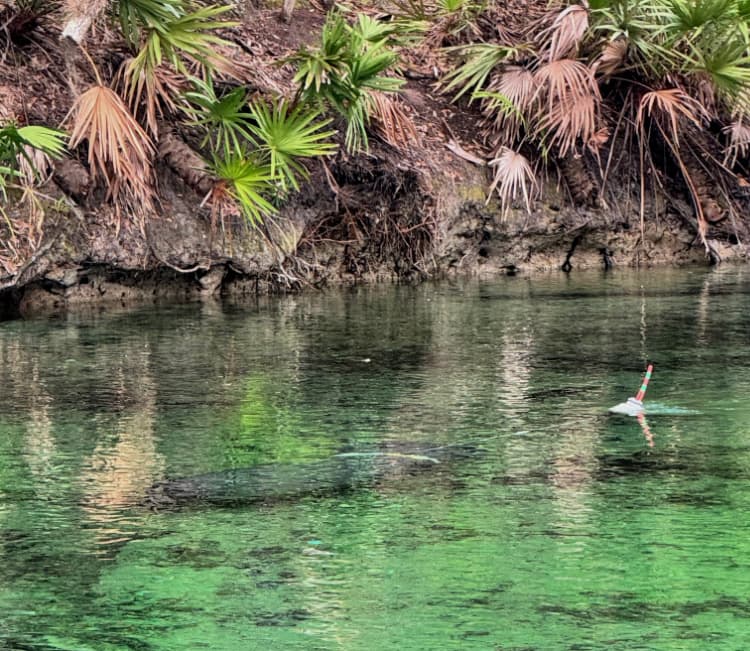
(569, 529)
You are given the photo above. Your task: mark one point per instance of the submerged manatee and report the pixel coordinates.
(273, 482)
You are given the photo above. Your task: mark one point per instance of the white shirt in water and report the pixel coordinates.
(632, 407)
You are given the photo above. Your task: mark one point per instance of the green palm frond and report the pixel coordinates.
(367, 68)
(191, 35)
(50, 141)
(246, 182)
(690, 17)
(480, 59)
(728, 67)
(373, 31)
(326, 64)
(223, 118)
(187, 34)
(350, 64)
(641, 24)
(136, 15)
(287, 135)
(14, 142)
(357, 118)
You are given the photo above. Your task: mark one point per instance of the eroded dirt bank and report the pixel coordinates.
(389, 214)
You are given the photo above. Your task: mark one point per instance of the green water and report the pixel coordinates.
(568, 530)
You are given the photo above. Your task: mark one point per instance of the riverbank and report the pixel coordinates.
(393, 213)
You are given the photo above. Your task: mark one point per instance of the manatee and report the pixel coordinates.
(276, 482)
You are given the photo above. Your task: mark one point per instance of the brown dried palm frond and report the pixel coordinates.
(513, 176)
(150, 90)
(571, 103)
(119, 150)
(564, 78)
(392, 121)
(739, 141)
(572, 118)
(34, 166)
(673, 104)
(562, 38)
(612, 58)
(515, 84)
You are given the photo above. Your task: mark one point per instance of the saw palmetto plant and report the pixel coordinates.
(223, 117)
(17, 145)
(285, 136)
(346, 70)
(167, 38)
(615, 74)
(244, 182)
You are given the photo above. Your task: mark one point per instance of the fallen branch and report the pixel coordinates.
(459, 151)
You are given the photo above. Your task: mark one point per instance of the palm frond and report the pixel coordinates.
(513, 176)
(612, 57)
(33, 165)
(479, 61)
(245, 181)
(568, 121)
(344, 71)
(49, 141)
(286, 135)
(366, 69)
(641, 23)
(150, 90)
(690, 17)
(563, 37)
(224, 118)
(373, 31)
(570, 103)
(357, 116)
(673, 104)
(392, 121)
(119, 150)
(190, 35)
(25, 151)
(739, 141)
(327, 63)
(509, 100)
(727, 64)
(135, 16)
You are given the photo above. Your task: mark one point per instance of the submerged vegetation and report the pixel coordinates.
(657, 91)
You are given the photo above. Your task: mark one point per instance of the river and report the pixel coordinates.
(566, 528)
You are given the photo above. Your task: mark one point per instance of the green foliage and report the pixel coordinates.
(683, 38)
(696, 15)
(183, 34)
(247, 182)
(286, 136)
(277, 135)
(15, 140)
(728, 67)
(136, 15)
(223, 118)
(344, 70)
(479, 60)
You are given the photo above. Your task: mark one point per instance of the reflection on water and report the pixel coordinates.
(567, 528)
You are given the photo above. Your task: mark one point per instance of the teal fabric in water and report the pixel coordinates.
(571, 529)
